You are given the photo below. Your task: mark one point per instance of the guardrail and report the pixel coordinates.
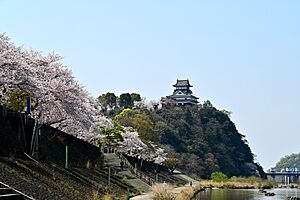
(139, 174)
(136, 172)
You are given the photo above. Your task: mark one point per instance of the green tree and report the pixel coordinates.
(126, 101)
(218, 177)
(125, 117)
(292, 160)
(108, 100)
(144, 126)
(207, 104)
(210, 163)
(112, 135)
(18, 100)
(136, 97)
(168, 135)
(172, 164)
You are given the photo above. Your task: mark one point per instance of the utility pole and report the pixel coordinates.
(66, 162)
(109, 177)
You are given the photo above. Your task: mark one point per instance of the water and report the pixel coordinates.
(224, 194)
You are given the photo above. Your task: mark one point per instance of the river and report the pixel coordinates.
(224, 194)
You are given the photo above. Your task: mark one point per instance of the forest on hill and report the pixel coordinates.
(202, 137)
(289, 161)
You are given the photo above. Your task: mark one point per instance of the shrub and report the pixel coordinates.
(107, 197)
(218, 177)
(185, 194)
(269, 184)
(162, 192)
(94, 196)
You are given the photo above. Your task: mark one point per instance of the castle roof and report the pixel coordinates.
(175, 96)
(180, 83)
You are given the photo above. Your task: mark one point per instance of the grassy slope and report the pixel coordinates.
(49, 181)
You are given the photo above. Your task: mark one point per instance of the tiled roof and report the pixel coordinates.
(182, 83)
(182, 96)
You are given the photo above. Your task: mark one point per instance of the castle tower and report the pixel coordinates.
(182, 94)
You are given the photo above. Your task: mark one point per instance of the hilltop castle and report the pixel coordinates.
(182, 95)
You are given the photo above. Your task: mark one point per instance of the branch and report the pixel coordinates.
(59, 121)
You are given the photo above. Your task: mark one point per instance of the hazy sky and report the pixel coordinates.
(244, 56)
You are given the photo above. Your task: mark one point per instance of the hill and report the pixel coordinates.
(289, 161)
(202, 137)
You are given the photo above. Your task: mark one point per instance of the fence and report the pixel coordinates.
(16, 131)
(136, 172)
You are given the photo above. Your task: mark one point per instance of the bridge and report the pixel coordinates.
(285, 176)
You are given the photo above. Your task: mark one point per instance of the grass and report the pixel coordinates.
(107, 197)
(185, 194)
(162, 192)
(240, 183)
(12, 171)
(94, 196)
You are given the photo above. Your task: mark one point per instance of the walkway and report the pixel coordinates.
(150, 195)
(113, 161)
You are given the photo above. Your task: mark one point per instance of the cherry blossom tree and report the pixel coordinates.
(62, 102)
(132, 145)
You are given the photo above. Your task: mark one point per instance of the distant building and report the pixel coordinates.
(182, 95)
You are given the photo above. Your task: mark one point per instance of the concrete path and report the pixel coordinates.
(113, 161)
(148, 196)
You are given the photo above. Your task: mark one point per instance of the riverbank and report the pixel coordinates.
(205, 187)
(239, 183)
(166, 191)
(163, 191)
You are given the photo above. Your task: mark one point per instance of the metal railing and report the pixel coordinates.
(136, 172)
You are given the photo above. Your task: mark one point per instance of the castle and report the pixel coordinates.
(182, 95)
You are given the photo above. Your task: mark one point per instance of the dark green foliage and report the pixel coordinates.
(206, 136)
(261, 171)
(136, 97)
(108, 102)
(168, 135)
(112, 105)
(126, 100)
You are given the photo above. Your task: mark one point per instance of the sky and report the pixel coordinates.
(243, 56)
